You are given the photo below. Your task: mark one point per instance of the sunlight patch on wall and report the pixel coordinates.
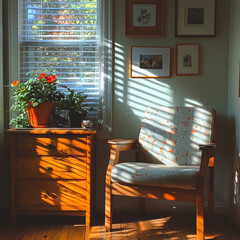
(147, 92)
(119, 72)
(138, 93)
(192, 103)
(119, 90)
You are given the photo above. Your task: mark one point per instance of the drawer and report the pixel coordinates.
(51, 145)
(58, 167)
(51, 196)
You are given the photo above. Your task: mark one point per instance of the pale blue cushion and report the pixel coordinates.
(157, 175)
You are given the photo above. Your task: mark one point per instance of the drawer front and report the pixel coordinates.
(51, 145)
(44, 167)
(51, 196)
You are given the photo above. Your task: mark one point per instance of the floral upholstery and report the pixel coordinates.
(169, 137)
(157, 175)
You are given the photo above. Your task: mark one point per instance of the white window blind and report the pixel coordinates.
(63, 37)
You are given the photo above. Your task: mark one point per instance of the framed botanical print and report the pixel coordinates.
(187, 59)
(150, 62)
(143, 17)
(195, 18)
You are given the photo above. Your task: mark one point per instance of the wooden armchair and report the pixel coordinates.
(175, 154)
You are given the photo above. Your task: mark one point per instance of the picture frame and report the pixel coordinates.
(144, 18)
(195, 18)
(187, 59)
(150, 62)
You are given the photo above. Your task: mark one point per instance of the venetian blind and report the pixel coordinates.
(63, 37)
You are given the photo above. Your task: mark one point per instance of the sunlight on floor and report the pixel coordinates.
(173, 228)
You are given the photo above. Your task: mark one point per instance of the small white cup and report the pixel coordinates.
(86, 124)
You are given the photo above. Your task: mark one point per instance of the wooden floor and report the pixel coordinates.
(176, 227)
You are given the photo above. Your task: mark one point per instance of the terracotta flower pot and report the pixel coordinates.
(40, 115)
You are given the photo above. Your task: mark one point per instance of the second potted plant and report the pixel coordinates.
(74, 102)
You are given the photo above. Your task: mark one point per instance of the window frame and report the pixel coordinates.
(106, 59)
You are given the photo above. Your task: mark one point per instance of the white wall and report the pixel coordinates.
(1, 71)
(232, 184)
(131, 96)
(1, 82)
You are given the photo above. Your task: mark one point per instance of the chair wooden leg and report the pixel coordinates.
(211, 194)
(200, 213)
(108, 208)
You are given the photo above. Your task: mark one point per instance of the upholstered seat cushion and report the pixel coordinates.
(157, 175)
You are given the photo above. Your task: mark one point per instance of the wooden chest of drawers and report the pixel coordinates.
(51, 171)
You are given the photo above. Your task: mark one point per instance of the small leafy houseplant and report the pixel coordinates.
(75, 103)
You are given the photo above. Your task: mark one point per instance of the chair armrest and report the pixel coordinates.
(207, 145)
(208, 153)
(123, 142)
(118, 145)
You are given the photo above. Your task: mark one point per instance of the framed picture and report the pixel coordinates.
(150, 62)
(195, 18)
(144, 17)
(187, 59)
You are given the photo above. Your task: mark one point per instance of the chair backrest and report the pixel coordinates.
(170, 135)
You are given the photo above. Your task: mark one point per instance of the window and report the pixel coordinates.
(65, 37)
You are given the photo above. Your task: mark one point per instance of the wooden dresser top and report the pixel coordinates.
(52, 131)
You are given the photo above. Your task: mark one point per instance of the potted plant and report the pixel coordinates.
(75, 103)
(34, 99)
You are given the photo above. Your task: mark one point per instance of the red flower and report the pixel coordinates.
(15, 83)
(51, 78)
(42, 76)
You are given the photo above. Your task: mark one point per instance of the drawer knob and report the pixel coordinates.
(50, 194)
(50, 146)
(50, 169)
